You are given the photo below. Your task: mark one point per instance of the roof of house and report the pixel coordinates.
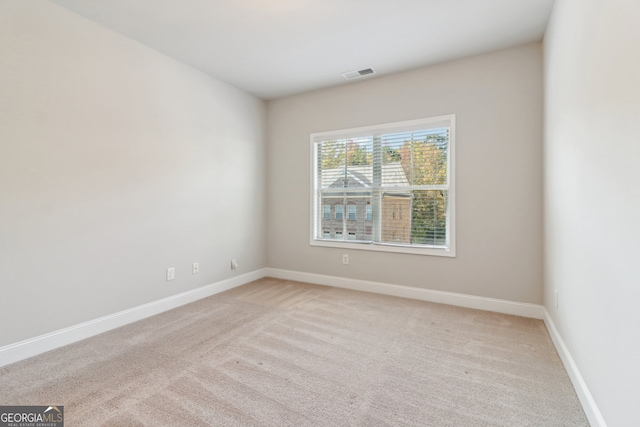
(362, 176)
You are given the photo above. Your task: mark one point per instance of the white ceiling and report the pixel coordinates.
(273, 48)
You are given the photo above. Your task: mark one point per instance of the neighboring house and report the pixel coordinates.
(396, 218)
(349, 215)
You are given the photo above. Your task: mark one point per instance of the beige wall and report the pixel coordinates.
(592, 195)
(497, 99)
(116, 162)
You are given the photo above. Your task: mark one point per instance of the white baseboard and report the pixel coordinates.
(586, 399)
(31, 347)
(469, 301)
(28, 348)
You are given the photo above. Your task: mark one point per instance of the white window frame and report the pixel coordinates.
(419, 124)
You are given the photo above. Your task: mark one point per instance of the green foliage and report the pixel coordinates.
(332, 154)
(357, 154)
(425, 163)
(429, 217)
(390, 155)
(336, 154)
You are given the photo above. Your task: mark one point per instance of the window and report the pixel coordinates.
(402, 177)
(326, 234)
(351, 212)
(326, 212)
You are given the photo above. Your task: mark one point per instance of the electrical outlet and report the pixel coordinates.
(171, 273)
(345, 259)
(234, 264)
(196, 268)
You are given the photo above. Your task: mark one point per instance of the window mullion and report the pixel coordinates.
(376, 200)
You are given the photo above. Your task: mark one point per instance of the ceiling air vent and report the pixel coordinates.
(357, 74)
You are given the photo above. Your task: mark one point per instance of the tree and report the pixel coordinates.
(337, 154)
(390, 155)
(425, 163)
(428, 217)
(357, 154)
(332, 154)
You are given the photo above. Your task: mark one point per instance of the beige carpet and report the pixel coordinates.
(279, 353)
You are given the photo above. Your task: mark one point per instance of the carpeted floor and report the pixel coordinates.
(279, 353)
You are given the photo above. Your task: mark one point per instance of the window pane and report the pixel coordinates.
(429, 217)
(331, 163)
(326, 235)
(369, 213)
(339, 212)
(338, 234)
(394, 167)
(346, 163)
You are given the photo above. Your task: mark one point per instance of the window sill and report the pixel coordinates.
(430, 251)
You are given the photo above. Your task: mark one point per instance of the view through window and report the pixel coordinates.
(396, 182)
